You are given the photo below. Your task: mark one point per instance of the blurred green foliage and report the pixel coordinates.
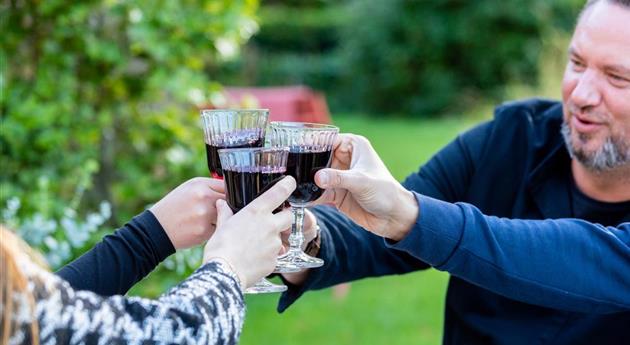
(99, 104)
(414, 57)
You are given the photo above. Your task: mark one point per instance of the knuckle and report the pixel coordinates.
(196, 180)
(199, 194)
(201, 211)
(337, 179)
(249, 212)
(361, 174)
(361, 139)
(285, 190)
(202, 229)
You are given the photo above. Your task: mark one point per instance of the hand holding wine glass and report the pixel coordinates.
(360, 185)
(250, 239)
(188, 213)
(310, 147)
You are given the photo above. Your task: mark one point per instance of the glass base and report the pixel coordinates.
(300, 259)
(286, 266)
(265, 286)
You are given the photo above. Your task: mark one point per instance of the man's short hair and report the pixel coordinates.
(589, 3)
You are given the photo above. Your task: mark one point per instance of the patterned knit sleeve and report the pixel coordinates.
(206, 308)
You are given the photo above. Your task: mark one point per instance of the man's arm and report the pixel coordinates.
(566, 264)
(351, 253)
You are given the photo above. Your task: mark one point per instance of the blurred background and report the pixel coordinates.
(99, 116)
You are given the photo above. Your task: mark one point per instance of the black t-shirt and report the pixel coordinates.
(585, 207)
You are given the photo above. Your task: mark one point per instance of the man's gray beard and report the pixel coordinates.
(613, 154)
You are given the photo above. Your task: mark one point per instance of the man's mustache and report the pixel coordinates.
(587, 113)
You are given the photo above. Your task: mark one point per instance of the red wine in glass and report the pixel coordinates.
(310, 146)
(231, 128)
(243, 187)
(212, 154)
(303, 166)
(248, 173)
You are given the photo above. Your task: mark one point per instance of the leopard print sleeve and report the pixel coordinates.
(206, 308)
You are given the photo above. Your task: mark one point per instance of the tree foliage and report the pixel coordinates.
(421, 57)
(99, 104)
(413, 57)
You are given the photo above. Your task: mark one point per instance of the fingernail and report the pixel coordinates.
(323, 178)
(287, 180)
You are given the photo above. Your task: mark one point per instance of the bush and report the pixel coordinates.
(297, 44)
(99, 108)
(401, 56)
(420, 57)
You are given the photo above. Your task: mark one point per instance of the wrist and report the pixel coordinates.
(156, 211)
(226, 263)
(312, 247)
(406, 215)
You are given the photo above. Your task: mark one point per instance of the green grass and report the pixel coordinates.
(404, 309)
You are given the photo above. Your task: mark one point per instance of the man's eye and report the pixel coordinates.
(577, 64)
(618, 80)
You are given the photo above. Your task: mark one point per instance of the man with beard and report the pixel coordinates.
(535, 160)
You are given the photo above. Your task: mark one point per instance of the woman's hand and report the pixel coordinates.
(250, 240)
(188, 213)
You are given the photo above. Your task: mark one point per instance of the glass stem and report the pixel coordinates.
(297, 238)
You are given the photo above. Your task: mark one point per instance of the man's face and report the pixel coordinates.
(596, 88)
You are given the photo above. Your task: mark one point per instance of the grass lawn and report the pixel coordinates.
(404, 309)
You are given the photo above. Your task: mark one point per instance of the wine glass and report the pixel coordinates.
(233, 128)
(249, 172)
(310, 150)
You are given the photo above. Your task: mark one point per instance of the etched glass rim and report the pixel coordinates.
(254, 159)
(304, 126)
(255, 149)
(210, 112)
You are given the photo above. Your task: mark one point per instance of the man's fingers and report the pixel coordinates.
(284, 235)
(353, 181)
(328, 197)
(309, 219)
(275, 196)
(217, 185)
(223, 212)
(283, 220)
(342, 152)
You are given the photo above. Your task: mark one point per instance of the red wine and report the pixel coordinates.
(243, 187)
(212, 154)
(303, 166)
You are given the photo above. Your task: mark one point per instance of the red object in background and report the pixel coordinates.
(285, 103)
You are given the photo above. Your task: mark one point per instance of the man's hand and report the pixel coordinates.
(309, 232)
(361, 187)
(188, 213)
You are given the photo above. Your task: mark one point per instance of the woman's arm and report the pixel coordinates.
(206, 308)
(183, 218)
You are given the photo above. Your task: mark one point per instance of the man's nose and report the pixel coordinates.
(586, 92)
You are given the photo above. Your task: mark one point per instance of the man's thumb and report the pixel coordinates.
(346, 179)
(223, 212)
